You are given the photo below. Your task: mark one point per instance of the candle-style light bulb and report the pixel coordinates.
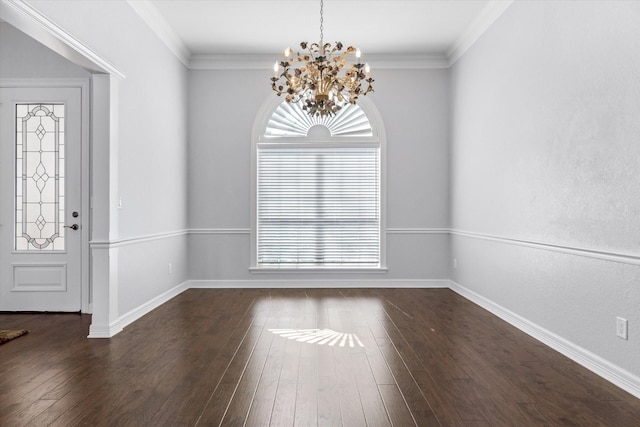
(287, 52)
(358, 53)
(276, 68)
(367, 70)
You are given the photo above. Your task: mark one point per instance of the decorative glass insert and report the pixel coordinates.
(40, 177)
(289, 119)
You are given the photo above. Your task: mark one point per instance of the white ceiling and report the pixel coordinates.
(261, 27)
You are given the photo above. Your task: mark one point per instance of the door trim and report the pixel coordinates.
(85, 152)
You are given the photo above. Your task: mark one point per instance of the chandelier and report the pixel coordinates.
(319, 77)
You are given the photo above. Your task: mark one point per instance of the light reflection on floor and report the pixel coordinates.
(320, 336)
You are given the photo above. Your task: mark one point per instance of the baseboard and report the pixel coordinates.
(335, 283)
(97, 331)
(610, 372)
(145, 308)
(104, 331)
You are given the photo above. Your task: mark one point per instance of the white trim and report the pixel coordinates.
(318, 270)
(394, 230)
(128, 318)
(220, 231)
(275, 143)
(308, 283)
(416, 61)
(485, 19)
(154, 19)
(565, 249)
(135, 314)
(27, 19)
(97, 331)
(607, 370)
(136, 240)
(232, 62)
(104, 187)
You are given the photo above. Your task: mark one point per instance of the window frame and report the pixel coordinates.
(377, 139)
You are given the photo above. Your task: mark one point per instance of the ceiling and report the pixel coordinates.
(261, 27)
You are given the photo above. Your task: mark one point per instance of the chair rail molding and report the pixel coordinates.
(600, 254)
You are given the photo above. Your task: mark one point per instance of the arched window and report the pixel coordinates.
(317, 189)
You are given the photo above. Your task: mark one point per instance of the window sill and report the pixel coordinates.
(315, 270)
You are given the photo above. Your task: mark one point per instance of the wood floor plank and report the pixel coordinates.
(64, 403)
(218, 357)
(216, 406)
(26, 414)
(262, 405)
(329, 413)
(238, 409)
(399, 412)
(284, 404)
(306, 412)
(352, 413)
(328, 399)
(98, 405)
(182, 407)
(370, 398)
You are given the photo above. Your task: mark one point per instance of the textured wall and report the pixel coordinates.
(546, 126)
(545, 148)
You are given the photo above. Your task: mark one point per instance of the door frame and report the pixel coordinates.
(85, 155)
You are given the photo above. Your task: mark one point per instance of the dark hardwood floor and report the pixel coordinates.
(325, 357)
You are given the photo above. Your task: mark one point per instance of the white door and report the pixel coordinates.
(40, 199)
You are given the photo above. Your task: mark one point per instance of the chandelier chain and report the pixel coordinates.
(321, 23)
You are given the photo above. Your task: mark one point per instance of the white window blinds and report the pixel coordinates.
(318, 206)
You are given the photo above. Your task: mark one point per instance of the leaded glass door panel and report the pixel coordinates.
(40, 191)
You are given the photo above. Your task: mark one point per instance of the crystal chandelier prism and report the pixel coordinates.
(319, 77)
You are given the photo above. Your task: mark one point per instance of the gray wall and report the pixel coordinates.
(545, 170)
(223, 106)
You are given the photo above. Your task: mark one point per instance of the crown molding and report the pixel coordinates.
(26, 18)
(485, 19)
(420, 61)
(412, 61)
(232, 61)
(265, 61)
(154, 19)
(30, 21)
